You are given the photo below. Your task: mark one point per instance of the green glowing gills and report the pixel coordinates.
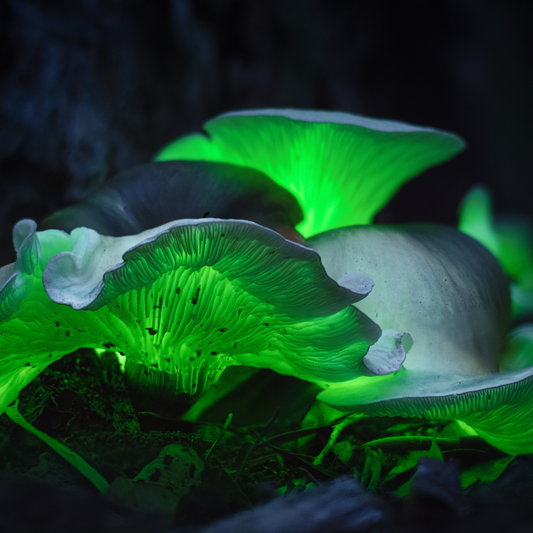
(343, 168)
(189, 297)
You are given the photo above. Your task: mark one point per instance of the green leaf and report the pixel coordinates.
(73, 458)
(485, 472)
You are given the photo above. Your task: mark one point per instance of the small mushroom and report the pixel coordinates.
(450, 293)
(509, 238)
(343, 168)
(187, 299)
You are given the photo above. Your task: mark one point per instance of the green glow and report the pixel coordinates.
(510, 240)
(485, 472)
(120, 357)
(451, 295)
(475, 219)
(188, 302)
(468, 430)
(72, 457)
(500, 414)
(343, 168)
(508, 427)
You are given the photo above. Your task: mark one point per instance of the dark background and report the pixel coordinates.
(90, 87)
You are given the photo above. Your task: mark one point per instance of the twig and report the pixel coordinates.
(372, 469)
(411, 443)
(298, 433)
(333, 438)
(222, 433)
(254, 445)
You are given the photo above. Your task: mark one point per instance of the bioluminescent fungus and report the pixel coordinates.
(147, 196)
(343, 168)
(190, 297)
(186, 299)
(509, 238)
(450, 293)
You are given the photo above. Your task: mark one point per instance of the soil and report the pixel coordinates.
(180, 475)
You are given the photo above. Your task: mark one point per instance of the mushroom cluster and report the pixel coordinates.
(252, 244)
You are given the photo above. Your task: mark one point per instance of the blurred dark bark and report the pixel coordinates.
(90, 88)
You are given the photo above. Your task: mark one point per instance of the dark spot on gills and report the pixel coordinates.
(152, 331)
(194, 300)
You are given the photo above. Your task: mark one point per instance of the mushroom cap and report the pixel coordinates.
(188, 298)
(509, 238)
(343, 168)
(147, 196)
(452, 296)
(443, 287)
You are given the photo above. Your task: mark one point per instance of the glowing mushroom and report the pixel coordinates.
(187, 299)
(441, 286)
(509, 238)
(343, 168)
(453, 297)
(147, 196)
(169, 295)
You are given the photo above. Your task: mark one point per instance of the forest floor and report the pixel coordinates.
(280, 462)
